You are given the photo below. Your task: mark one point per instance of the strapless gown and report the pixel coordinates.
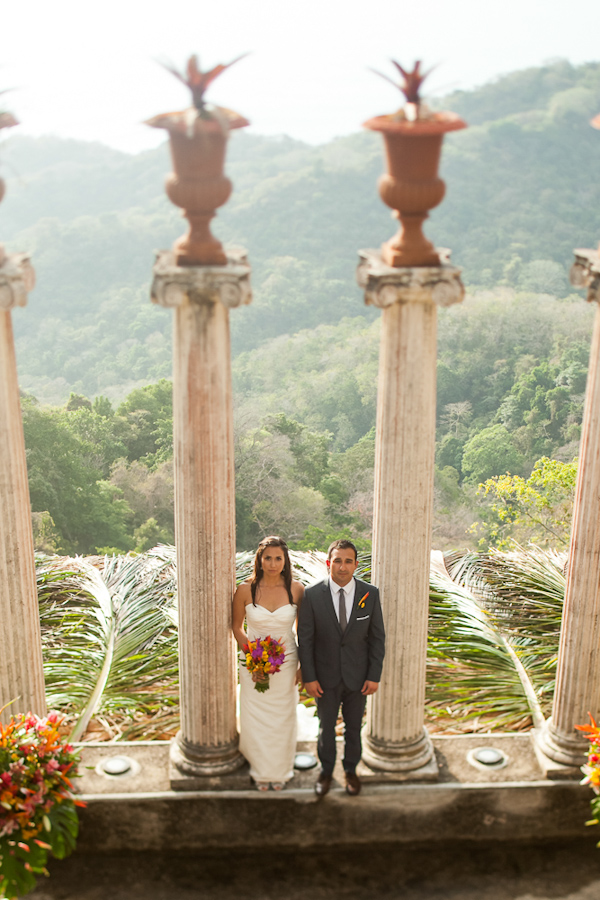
(268, 721)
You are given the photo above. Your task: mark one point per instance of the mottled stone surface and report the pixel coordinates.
(475, 835)
(396, 739)
(21, 674)
(382, 871)
(578, 670)
(201, 297)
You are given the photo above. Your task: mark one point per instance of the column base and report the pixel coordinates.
(191, 764)
(415, 758)
(553, 747)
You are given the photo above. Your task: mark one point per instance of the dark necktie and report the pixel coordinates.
(343, 618)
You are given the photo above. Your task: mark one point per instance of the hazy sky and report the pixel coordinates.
(87, 70)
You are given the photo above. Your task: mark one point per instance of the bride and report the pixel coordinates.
(269, 604)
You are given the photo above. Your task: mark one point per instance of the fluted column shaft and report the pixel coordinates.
(577, 689)
(21, 671)
(204, 508)
(396, 738)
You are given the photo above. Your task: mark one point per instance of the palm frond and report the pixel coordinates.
(309, 566)
(523, 590)
(109, 640)
(471, 670)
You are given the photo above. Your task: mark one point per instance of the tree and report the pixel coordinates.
(148, 412)
(491, 452)
(65, 485)
(537, 510)
(457, 416)
(149, 495)
(309, 448)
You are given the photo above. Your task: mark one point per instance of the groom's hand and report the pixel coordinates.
(369, 687)
(313, 689)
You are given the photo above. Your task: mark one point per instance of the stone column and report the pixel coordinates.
(204, 507)
(21, 672)
(396, 739)
(577, 689)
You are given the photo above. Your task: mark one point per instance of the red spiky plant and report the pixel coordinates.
(410, 83)
(197, 80)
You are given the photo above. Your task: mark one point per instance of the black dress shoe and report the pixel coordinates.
(322, 785)
(353, 784)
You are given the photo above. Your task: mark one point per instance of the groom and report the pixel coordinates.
(341, 647)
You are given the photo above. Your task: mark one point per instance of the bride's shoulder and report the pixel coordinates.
(243, 592)
(297, 591)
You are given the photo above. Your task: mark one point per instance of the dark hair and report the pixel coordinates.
(272, 541)
(342, 545)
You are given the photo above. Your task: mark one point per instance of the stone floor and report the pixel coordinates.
(567, 871)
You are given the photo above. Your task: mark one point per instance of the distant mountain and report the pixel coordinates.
(523, 190)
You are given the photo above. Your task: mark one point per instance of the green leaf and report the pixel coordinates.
(15, 879)
(65, 828)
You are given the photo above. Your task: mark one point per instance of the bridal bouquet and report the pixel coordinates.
(37, 807)
(265, 656)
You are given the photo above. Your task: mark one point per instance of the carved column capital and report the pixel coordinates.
(228, 284)
(385, 285)
(17, 278)
(585, 273)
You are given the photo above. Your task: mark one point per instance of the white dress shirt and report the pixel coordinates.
(349, 592)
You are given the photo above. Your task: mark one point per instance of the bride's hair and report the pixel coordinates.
(272, 541)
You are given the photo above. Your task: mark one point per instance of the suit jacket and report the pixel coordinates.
(329, 656)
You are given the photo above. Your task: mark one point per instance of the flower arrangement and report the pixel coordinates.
(361, 602)
(37, 807)
(265, 656)
(591, 770)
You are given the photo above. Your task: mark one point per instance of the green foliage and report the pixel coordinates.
(538, 508)
(490, 452)
(310, 449)
(65, 478)
(148, 412)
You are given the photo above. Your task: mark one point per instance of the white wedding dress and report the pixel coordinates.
(268, 721)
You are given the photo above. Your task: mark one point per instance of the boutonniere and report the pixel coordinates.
(361, 602)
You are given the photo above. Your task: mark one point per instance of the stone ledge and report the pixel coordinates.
(532, 811)
(467, 804)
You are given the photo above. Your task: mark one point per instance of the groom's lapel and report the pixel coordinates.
(360, 589)
(328, 600)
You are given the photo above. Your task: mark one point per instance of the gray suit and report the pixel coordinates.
(341, 663)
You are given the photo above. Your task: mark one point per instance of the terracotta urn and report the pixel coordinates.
(198, 138)
(7, 120)
(411, 186)
(198, 185)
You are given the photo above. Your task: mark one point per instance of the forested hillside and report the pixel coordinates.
(523, 190)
